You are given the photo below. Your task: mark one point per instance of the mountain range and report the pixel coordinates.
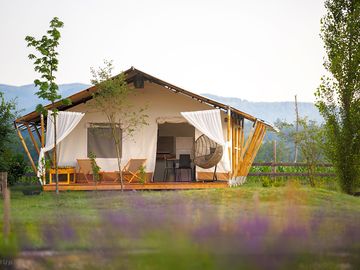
(268, 111)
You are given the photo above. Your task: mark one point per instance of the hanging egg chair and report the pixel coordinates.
(207, 153)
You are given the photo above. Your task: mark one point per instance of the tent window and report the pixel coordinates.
(100, 141)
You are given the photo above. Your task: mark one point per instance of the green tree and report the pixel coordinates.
(112, 99)
(46, 64)
(10, 160)
(7, 116)
(338, 97)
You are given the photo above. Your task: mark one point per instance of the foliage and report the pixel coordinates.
(6, 130)
(142, 173)
(112, 99)
(338, 97)
(95, 168)
(10, 161)
(46, 64)
(17, 168)
(309, 140)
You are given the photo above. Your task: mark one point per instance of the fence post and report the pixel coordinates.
(273, 167)
(6, 196)
(3, 182)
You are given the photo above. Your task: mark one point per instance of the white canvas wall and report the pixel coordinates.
(160, 102)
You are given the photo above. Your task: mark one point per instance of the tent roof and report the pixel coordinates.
(131, 74)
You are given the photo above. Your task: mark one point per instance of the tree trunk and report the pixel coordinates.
(119, 166)
(117, 146)
(55, 156)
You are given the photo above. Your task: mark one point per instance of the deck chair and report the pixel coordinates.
(131, 170)
(85, 167)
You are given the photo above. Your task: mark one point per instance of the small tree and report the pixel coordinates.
(338, 97)
(310, 142)
(112, 99)
(308, 136)
(46, 64)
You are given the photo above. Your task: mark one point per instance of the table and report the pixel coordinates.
(68, 171)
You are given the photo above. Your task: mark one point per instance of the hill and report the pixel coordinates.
(26, 98)
(271, 111)
(268, 111)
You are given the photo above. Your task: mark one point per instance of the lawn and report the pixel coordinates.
(248, 227)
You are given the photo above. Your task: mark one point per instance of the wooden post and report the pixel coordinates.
(274, 159)
(297, 128)
(6, 196)
(3, 182)
(26, 149)
(33, 139)
(42, 130)
(229, 136)
(234, 149)
(37, 133)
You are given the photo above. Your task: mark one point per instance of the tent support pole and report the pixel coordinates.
(25, 148)
(32, 138)
(42, 130)
(229, 136)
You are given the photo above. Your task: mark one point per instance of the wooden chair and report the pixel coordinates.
(131, 170)
(85, 167)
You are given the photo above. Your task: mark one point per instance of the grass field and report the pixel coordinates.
(248, 227)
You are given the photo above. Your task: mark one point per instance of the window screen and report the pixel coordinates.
(101, 142)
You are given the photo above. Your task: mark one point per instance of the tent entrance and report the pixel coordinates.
(173, 140)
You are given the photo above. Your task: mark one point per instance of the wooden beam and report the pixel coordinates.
(42, 141)
(229, 133)
(42, 130)
(37, 133)
(33, 139)
(26, 148)
(133, 186)
(253, 148)
(234, 149)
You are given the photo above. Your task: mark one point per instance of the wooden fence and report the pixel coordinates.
(275, 173)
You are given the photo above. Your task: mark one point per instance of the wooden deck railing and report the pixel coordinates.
(275, 173)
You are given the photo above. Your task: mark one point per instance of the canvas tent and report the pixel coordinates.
(166, 104)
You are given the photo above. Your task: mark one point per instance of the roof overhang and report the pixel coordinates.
(131, 74)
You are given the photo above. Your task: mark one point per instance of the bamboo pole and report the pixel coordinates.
(32, 138)
(229, 136)
(42, 136)
(42, 130)
(248, 141)
(250, 151)
(37, 133)
(240, 136)
(26, 149)
(258, 144)
(234, 149)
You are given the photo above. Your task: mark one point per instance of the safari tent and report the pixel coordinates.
(179, 124)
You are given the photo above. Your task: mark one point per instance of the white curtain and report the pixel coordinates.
(208, 122)
(65, 123)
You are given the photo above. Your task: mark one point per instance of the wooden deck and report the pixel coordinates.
(136, 186)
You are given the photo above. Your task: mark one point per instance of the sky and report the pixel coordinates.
(265, 50)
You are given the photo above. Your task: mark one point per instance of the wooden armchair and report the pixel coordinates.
(85, 168)
(131, 170)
